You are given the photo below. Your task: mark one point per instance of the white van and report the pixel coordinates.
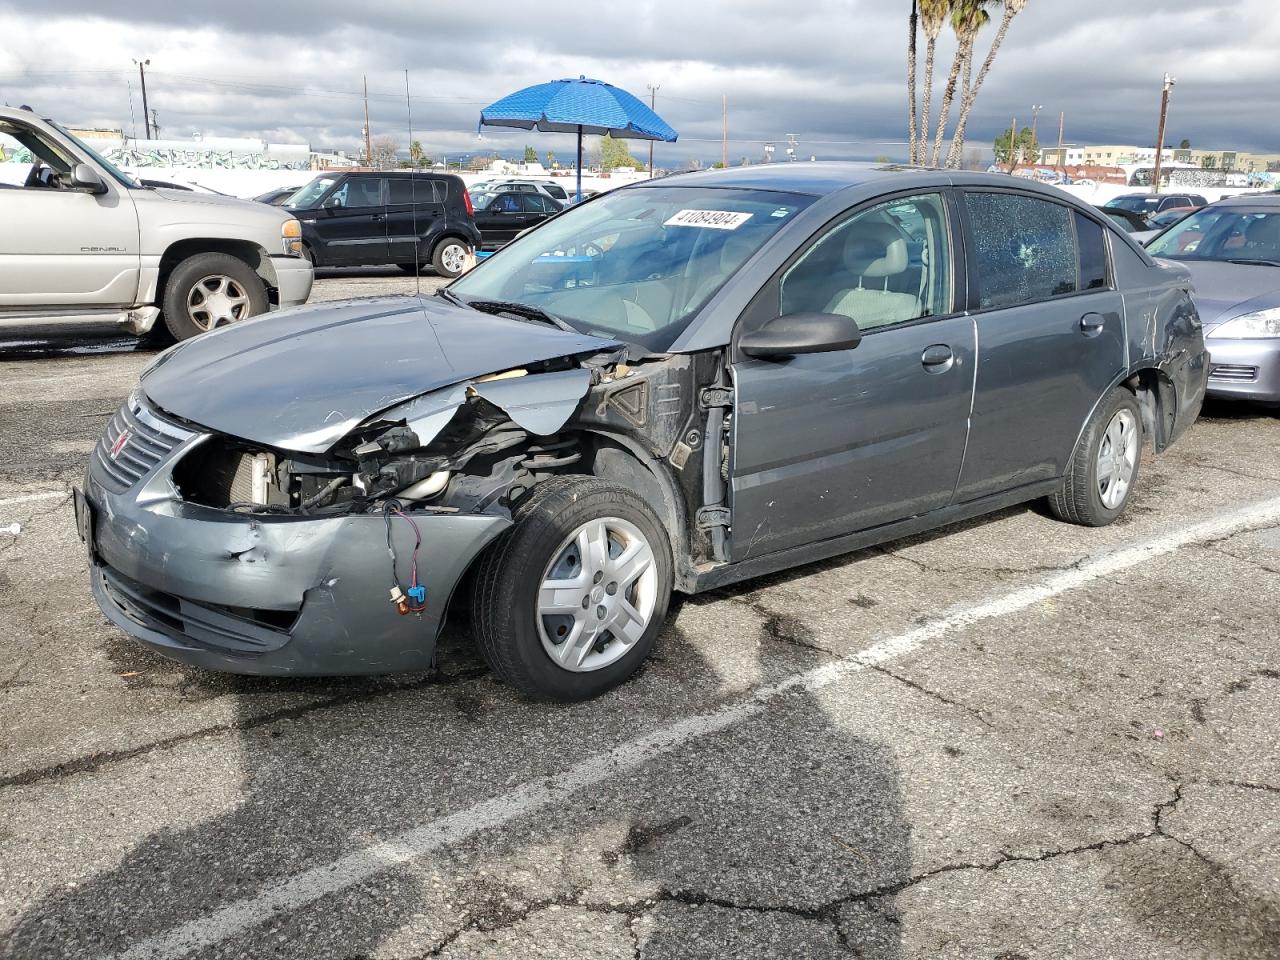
(81, 242)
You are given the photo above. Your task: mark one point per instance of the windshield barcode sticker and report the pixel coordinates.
(715, 219)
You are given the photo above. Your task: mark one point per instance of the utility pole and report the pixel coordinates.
(1013, 144)
(724, 130)
(1164, 113)
(793, 145)
(1035, 124)
(1062, 126)
(142, 75)
(653, 105)
(368, 143)
(155, 125)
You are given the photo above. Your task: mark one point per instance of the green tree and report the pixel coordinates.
(1025, 150)
(530, 154)
(551, 160)
(418, 156)
(1184, 145)
(614, 154)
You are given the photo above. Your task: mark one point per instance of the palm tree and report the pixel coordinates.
(967, 18)
(1011, 9)
(933, 17)
(913, 137)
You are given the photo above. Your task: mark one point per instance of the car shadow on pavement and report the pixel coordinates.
(780, 836)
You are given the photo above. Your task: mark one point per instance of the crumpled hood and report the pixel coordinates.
(302, 379)
(1226, 290)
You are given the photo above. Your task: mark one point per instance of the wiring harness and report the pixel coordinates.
(414, 598)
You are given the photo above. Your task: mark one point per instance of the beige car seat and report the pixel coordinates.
(875, 252)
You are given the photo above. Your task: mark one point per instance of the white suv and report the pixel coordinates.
(548, 188)
(84, 243)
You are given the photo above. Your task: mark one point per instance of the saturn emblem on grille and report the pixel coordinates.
(119, 444)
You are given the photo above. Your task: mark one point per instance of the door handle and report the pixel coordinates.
(937, 358)
(1091, 324)
(376, 217)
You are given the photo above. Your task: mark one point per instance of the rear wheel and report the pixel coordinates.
(210, 290)
(1104, 469)
(449, 257)
(568, 602)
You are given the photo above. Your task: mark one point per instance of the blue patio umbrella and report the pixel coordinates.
(578, 106)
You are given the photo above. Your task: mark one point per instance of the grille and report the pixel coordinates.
(150, 439)
(1233, 373)
(189, 622)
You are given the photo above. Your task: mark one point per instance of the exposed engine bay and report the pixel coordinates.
(479, 446)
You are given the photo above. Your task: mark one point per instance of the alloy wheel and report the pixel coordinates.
(1117, 459)
(216, 300)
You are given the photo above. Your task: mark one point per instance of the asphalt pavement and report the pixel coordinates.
(1010, 739)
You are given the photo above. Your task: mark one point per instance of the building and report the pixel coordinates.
(1116, 155)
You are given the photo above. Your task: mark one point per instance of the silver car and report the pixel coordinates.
(679, 385)
(1232, 249)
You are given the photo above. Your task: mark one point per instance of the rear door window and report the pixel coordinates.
(1023, 248)
(400, 191)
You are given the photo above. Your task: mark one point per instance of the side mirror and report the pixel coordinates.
(796, 333)
(86, 179)
(333, 203)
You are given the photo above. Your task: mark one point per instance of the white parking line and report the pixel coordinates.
(310, 885)
(31, 497)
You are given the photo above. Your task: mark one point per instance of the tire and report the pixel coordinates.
(446, 257)
(216, 280)
(514, 634)
(1090, 496)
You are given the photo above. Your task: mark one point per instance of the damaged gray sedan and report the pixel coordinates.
(676, 386)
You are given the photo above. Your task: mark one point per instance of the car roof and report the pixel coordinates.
(814, 178)
(1250, 200)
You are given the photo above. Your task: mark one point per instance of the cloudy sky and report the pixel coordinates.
(831, 71)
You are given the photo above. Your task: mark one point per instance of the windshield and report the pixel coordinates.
(1222, 233)
(310, 194)
(1136, 202)
(120, 176)
(635, 264)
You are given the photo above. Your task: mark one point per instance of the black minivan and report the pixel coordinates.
(400, 217)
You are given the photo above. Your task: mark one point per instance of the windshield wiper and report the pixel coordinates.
(450, 296)
(1257, 263)
(523, 310)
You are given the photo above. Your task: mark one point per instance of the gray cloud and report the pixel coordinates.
(827, 70)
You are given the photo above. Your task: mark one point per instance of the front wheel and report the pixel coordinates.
(1104, 469)
(210, 290)
(568, 603)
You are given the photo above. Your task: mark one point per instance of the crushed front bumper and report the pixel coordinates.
(272, 595)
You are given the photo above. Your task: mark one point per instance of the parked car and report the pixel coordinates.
(277, 197)
(1128, 220)
(1167, 218)
(548, 188)
(409, 219)
(682, 384)
(501, 216)
(1232, 249)
(85, 243)
(1148, 203)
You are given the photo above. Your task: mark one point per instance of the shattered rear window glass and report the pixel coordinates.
(636, 264)
(1025, 248)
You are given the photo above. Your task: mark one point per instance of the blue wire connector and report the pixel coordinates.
(418, 594)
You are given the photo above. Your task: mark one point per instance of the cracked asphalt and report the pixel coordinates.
(993, 741)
